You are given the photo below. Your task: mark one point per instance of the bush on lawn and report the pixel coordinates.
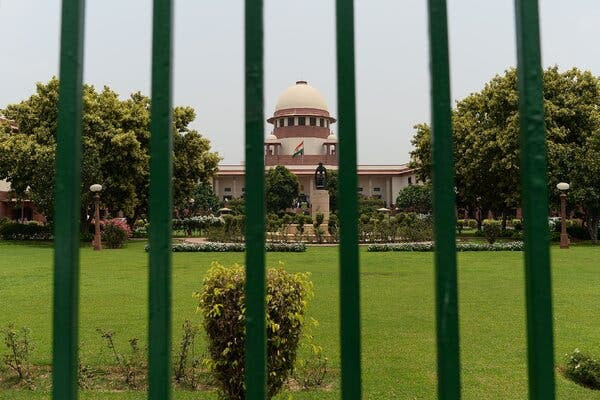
(209, 247)
(492, 230)
(583, 369)
(222, 303)
(423, 247)
(29, 231)
(115, 233)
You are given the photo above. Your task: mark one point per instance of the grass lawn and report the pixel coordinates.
(397, 313)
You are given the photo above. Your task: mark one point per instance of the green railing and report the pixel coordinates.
(534, 183)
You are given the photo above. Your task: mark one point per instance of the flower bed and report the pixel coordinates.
(507, 246)
(233, 247)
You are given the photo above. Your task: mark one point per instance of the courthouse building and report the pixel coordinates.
(302, 138)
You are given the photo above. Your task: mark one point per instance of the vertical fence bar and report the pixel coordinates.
(444, 206)
(159, 342)
(349, 262)
(535, 203)
(67, 203)
(256, 335)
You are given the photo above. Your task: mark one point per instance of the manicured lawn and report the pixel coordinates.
(397, 313)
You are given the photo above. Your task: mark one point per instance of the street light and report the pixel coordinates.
(96, 188)
(564, 238)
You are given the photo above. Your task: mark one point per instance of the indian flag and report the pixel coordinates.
(299, 150)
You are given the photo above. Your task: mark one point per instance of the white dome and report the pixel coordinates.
(271, 138)
(332, 138)
(301, 95)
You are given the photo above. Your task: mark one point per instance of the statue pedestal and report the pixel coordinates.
(320, 204)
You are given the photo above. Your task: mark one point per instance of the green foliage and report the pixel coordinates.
(517, 225)
(237, 206)
(426, 247)
(221, 302)
(413, 227)
(281, 188)
(29, 231)
(332, 188)
(492, 230)
(583, 369)
(486, 143)
(332, 226)
(415, 198)
(205, 200)
(116, 135)
(368, 205)
(20, 347)
(460, 225)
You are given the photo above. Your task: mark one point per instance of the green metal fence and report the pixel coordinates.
(535, 204)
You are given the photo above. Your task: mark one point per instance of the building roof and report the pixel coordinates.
(301, 95)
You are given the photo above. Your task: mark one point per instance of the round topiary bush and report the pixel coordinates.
(222, 305)
(115, 233)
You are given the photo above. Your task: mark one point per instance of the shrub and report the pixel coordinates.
(20, 347)
(30, 231)
(222, 304)
(492, 230)
(115, 233)
(187, 368)
(460, 225)
(209, 247)
(414, 227)
(131, 367)
(517, 224)
(578, 232)
(311, 370)
(583, 369)
(332, 227)
(424, 247)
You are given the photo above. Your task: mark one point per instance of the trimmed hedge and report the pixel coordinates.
(583, 369)
(29, 231)
(424, 247)
(209, 247)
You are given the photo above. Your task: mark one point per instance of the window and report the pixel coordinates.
(360, 189)
(377, 189)
(410, 180)
(321, 122)
(243, 189)
(313, 121)
(301, 120)
(291, 121)
(227, 190)
(281, 122)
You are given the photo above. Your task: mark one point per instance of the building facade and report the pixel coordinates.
(302, 138)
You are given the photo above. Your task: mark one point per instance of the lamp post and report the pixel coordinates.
(96, 188)
(564, 238)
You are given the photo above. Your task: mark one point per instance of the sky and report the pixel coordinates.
(392, 75)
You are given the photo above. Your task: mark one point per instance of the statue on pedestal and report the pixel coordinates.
(321, 177)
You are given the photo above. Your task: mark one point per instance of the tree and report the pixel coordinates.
(415, 198)
(332, 188)
(282, 188)
(205, 199)
(115, 136)
(486, 139)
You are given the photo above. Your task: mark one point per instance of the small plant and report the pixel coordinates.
(583, 369)
(115, 233)
(319, 233)
(187, 365)
(19, 347)
(311, 371)
(492, 230)
(221, 302)
(332, 227)
(132, 366)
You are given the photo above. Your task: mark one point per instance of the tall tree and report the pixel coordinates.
(115, 149)
(486, 138)
(281, 188)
